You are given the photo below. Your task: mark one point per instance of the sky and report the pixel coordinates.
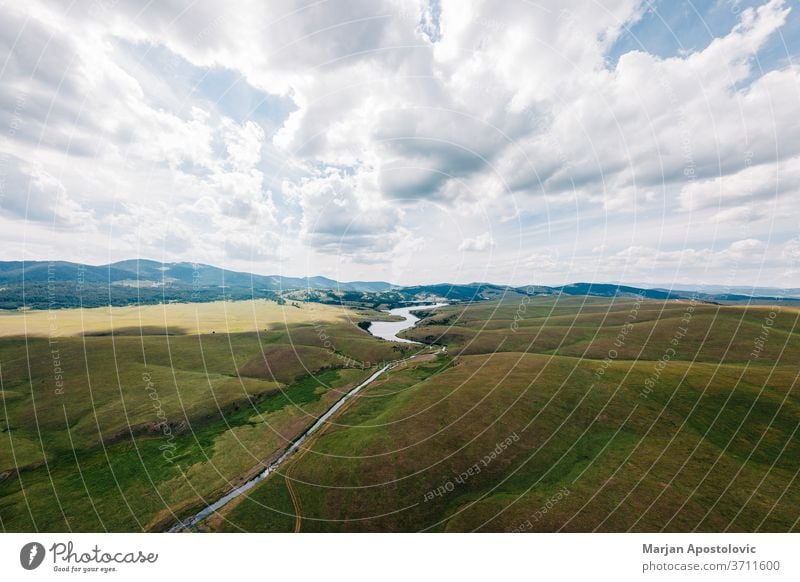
(411, 141)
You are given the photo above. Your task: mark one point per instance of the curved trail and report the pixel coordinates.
(245, 487)
(298, 520)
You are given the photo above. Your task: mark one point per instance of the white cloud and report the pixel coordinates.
(342, 215)
(508, 114)
(29, 192)
(737, 255)
(752, 184)
(478, 244)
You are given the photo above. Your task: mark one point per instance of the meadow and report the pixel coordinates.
(542, 414)
(166, 318)
(123, 420)
(561, 414)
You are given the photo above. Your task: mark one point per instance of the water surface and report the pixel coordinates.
(388, 330)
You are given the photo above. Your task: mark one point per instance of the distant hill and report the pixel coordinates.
(739, 291)
(143, 273)
(41, 271)
(46, 284)
(611, 290)
(451, 292)
(615, 290)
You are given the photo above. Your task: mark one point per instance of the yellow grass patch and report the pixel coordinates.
(179, 318)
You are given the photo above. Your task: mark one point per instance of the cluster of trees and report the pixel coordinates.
(59, 295)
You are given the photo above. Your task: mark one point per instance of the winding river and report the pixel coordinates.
(386, 330)
(209, 509)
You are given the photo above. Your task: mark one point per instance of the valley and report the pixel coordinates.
(528, 414)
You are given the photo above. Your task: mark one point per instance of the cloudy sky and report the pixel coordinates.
(413, 141)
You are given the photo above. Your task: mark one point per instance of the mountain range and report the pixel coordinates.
(144, 272)
(54, 284)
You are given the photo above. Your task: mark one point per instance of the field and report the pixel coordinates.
(175, 318)
(562, 419)
(542, 414)
(125, 431)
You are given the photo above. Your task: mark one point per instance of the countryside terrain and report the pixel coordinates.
(119, 428)
(598, 442)
(535, 412)
(61, 284)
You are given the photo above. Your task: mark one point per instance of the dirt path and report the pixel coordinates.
(298, 520)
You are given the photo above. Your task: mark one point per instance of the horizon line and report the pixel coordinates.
(675, 286)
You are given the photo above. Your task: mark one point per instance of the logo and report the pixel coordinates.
(31, 555)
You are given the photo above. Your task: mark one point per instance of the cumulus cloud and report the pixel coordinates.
(510, 115)
(27, 191)
(478, 244)
(341, 214)
(752, 184)
(740, 253)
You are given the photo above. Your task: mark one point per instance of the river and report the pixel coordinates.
(388, 330)
(385, 330)
(209, 509)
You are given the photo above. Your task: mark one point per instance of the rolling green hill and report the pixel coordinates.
(61, 284)
(123, 431)
(551, 426)
(545, 413)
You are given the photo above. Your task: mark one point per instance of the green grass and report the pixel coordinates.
(274, 500)
(88, 453)
(707, 441)
(713, 445)
(135, 473)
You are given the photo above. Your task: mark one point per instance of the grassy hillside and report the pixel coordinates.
(543, 414)
(570, 414)
(176, 318)
(124, 430)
